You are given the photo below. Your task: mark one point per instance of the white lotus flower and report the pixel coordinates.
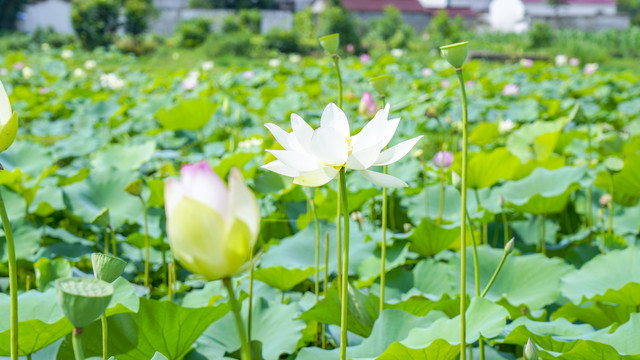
(314, 157)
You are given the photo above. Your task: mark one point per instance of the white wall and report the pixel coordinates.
(54, 13)
(544, 9)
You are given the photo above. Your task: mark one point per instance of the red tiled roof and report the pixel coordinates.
(379, 5)
(462, 11)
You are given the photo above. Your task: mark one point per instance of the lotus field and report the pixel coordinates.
(312, 208)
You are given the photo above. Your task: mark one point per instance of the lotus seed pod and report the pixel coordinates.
(134, 188)
(102, 219)
(455, 54)
(107, 268)
(614, 164)
(330, 43)
(380, 83)
(83, 300)
(530, 352)
(508, 248)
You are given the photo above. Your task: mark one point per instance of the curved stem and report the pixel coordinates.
(336, 64)
(383, 251)
(105, 334)
(76, 341)
(476, 265)
(250, 315)
(345, 268)
(463, 218)
(235, 308)
(13, 278)
(495, 274)
(146, 243)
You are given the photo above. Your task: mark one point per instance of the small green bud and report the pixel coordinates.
(614, 164)
(455, 54)
(102, 219)
(134, 188)
(226, 106)
(530, 352)
(456, 181)
(380, 83)
(83, 300)
(508, 247)
(330, 43)
(106, 267)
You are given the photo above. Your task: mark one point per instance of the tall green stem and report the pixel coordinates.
(146, 243)
(463, 218)
(336, 64)
(105, 335)
(383, 251)
(339, 240)
(476, 268)
(589, 192)
(13, 279)
(505, 225)
(611, 206)
(113, 241)
(312, 207)
(495, 274)
(250, 315)
(76, 341)
(326, 282)
(441, 204)
(345, 268)
(235, 307)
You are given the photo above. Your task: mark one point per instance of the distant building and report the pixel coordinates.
(578, 14)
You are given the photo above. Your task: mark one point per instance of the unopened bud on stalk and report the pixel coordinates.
(530, 352)
(605, 199)
(501, 201)
(509, 246)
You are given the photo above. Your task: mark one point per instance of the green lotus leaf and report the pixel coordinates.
(190, 114)
(282, 278)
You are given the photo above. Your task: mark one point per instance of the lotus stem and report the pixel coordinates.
(250, 315)
(146, 242)
(326, 282)
(339, 240)
(336, 64)
(463, 218)
(170, 281)
(476, 267)
(441, 204)
(113, 241)
(611, 207)
(383, 251)
(106, 241)
(76, 340)
(589, 191)
(235, 307)
(345, 268)
(312, 207)
(13, 278)
(105, 334)
(505, 225)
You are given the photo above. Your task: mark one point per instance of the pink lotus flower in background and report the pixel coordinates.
(367, 107)
(445, 83)
(510, 89)
(427, 72)
(365, 58)
(314, 157)
(43, 90)
(470, 83)
(442, 159)
(212, 228)
(350, 48)
(4, 71)
(590, 68)
(574, 62)
(248, 74)
(18, 66)
(526, 63)
(189, 83)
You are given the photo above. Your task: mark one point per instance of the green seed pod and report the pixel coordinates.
(107, 268)
(614, 164)
(135, 187)
(330, 43)
(83, 300)
(455, 54)
(102, 219)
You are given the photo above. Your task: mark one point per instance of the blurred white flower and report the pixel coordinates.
(45, 46)
(295, 58)
(250, 143)
(506, 125)
(90, 64)
(510, 89)
(111, 81)
(526, 63)
(274, 62)
(561, 59)
(248, 74)
(397, 52)
(4, 72)
(43, 90)
(27, 72)
(445, 83)
(66, 54)
(78, 73)
(314, 157)
(175, 56)
(590, 68)
(207, 65)
(427, 72)
(189, 83)
(574, 61)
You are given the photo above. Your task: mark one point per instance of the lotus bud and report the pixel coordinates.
(211, 227)
(443, 159)
(8, 121)
(501, 201)
(508, 247)
(330, 43)
(134, 188)
(456, 180)
(380, 83)
(530, 352)
(455, 54)
(605, 200)
(614, 164)
(83, 300)
(107, 268)
(367, 107)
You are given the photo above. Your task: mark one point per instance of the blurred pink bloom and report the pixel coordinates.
(427, 72)
(510, 89)
(4, 71)
(470, 83)
(367, 107)
(365, 58)
(445, 83)
(442, 159)
(248, 74)
(574, 62)
(350, 48)
(590, 68)
(605, 199)
(526, 63)
(43, 90)
(189, 83)
(18, 66)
